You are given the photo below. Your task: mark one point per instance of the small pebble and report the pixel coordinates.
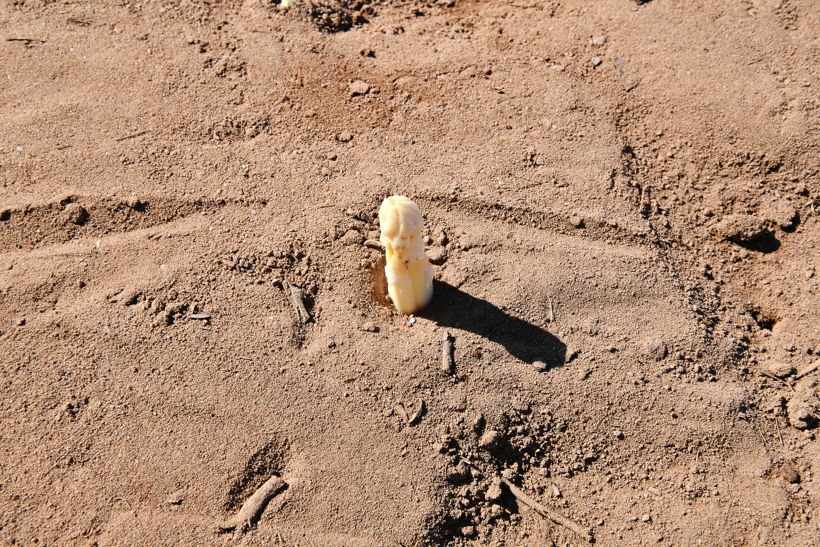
(494, 492)
(437, 255)
(468, 531)
(509, 474)
(656, 350)
(134, 203)
(490, 439)
(595, 61)
(539, 366)
(742, 229)
(370, 326)
(802, 414)
(598, 41)
(647, 518)
(75, 213)
(359, 87)
(459, 473)
(345, 136)
(352, 237)
(779, 369)
(176, 498)
(496, 511)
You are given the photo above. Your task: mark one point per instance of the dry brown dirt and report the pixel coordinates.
(621, 196)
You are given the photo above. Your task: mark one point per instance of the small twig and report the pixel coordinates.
(416, 416)
(777, 423)
(297, 299)
(27, 42)
(80, 22)
(775, 378)
(448, 365)
(200, 316)
(524, 498)
(132, 136)
(807, 371)
(552, 311)
(254, 506)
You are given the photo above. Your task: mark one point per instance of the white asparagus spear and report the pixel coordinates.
(409, 273)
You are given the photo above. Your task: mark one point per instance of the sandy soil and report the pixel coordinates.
(621, 199)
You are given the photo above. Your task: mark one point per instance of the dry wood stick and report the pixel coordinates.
(297, 299)
(524, 498)
(447, 364)
(776, 379)
(808, 371)
(254, 506)
(131, 136)
(416, 416)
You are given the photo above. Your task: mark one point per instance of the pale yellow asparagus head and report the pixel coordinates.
(409, 273)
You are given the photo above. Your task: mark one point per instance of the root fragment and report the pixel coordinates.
(530, 502)
(251, 511)
(448, 366)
